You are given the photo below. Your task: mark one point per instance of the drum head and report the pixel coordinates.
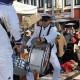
(38, 44)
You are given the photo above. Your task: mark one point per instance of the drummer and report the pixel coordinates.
(41, 32)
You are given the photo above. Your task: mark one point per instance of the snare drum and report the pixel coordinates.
(20, 66)
(39, 58)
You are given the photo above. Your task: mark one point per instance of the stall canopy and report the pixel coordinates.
(30, 20)
(24, 8)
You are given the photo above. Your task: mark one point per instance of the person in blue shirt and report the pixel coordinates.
(9, 17)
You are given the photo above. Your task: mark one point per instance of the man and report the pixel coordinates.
(50, 38)
(61, 45)
(9, 18)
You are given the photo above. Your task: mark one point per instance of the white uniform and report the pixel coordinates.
(8, 14)
(50, 39)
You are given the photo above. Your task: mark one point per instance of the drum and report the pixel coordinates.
(39, 58)
(20, 65)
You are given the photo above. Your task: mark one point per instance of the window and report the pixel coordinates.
(49, 3)
(34, 2)
(67, 2)
(77, 2)
(55, 3)
(41, 3)
(26, 1)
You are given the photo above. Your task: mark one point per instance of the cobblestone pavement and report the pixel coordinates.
(73, 75)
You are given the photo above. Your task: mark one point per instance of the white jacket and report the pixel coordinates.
(9, 16)
(50, 37)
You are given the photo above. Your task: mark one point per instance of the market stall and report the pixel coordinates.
(24, 9)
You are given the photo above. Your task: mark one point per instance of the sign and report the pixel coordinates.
(63, 15)
(59, 4)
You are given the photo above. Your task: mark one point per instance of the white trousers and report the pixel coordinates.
(30, 76)
(6, 69)
(55, 63)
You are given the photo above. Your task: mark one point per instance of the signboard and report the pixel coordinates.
(63, 15)
(58, 4)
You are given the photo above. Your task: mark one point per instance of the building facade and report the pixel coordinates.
(53, 6)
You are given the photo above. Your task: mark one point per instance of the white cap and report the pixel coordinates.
(70, 24)
(49, 15)
(46, 14)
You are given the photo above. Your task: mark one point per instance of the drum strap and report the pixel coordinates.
(47, 32)
(8, 33)
(40, 31)
(3, 25)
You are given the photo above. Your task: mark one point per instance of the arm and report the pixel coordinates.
(52, 35)
(35, 34)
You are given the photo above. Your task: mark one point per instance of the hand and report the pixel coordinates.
(25, 46)
(42, 39)
(19, 48)
(38, 40)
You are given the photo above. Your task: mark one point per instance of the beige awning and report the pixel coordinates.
(30, 20)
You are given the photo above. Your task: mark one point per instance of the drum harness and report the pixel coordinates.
(47, 34)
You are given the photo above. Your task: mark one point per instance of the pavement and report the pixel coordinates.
(72, 75)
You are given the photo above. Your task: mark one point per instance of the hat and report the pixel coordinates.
(70, 24)
(46, 16)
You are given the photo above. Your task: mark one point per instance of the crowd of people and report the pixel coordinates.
(64, 43)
